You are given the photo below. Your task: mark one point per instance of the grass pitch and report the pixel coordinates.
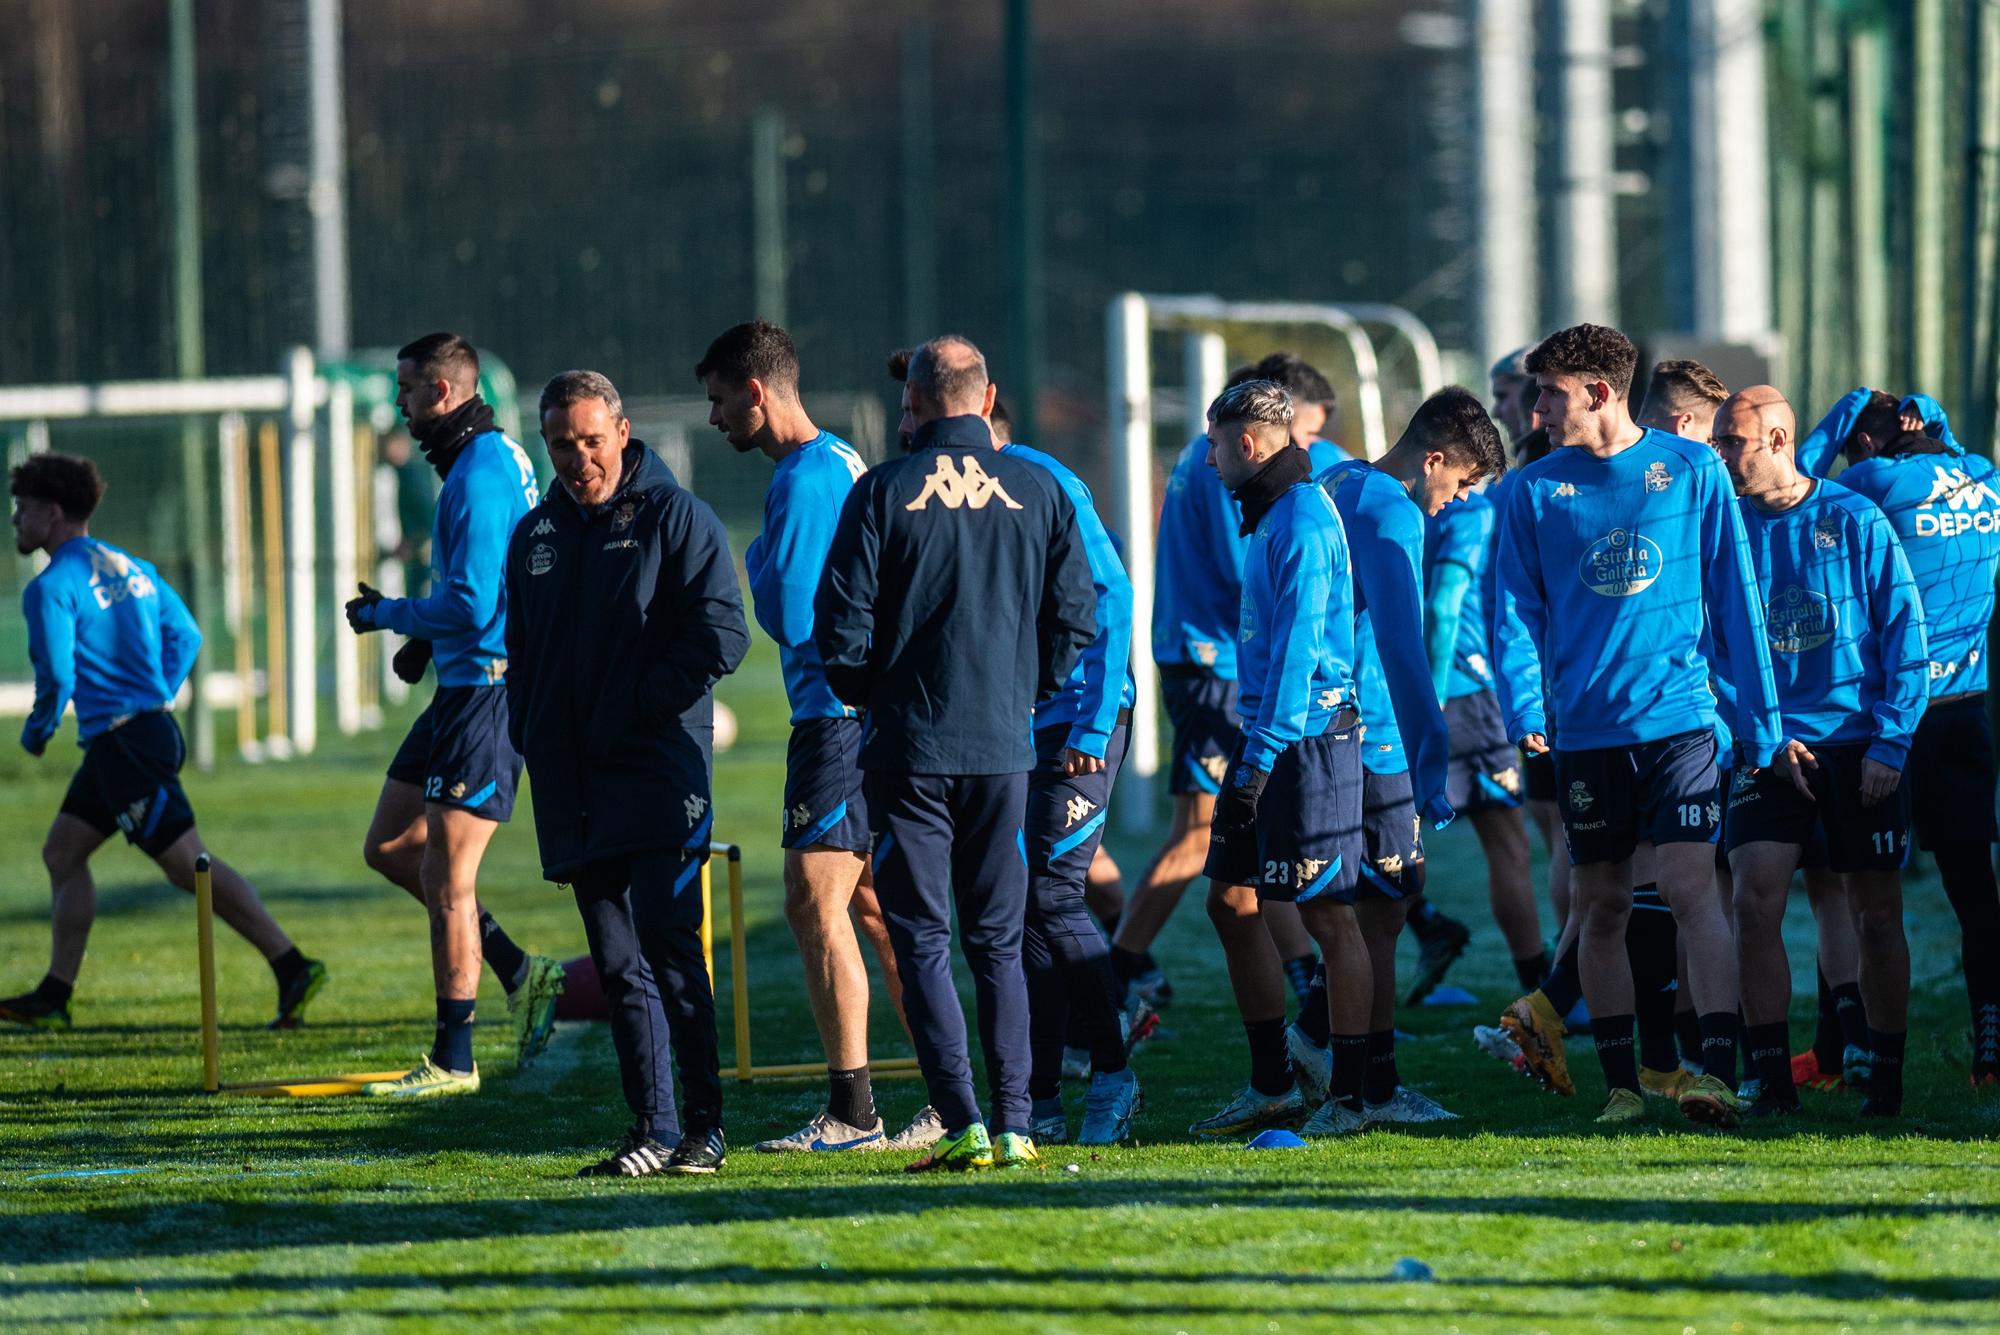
(127, 1196)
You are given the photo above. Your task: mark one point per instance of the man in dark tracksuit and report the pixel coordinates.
(956, 592)
(623, 614)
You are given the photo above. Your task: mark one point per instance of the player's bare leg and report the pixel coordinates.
(1166, 877)
(236, 900)
(1544, 817)
(1877, 898)
(1104, 888)
(1503, 838)
(1352, 986)
(394, 845)
(819, 887)
(72, 893)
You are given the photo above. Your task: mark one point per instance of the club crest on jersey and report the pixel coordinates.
(1243, 777)
(1657, 477)
(1799, 619)
(971, 487)
(694, 804)
(1580, 798)
(621, 518)
(542, 559)
(1076, 809)
(1621, 563)
(543, 529)
(1826, 534)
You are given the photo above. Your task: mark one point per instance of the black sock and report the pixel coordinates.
(850, 1098)
(1423, 919)
(1110, 925)
(1350, 1069)
(1767, 1058)
(452, 1048)
(1854, 1030)
(1564, 985)
(288, 965)
(1718, 1045)
(1687, 1031)
(1270, 1072)
(53, 992)
(1530, 972)
(1651, 943)
(1886, 1056)
(1827, 1037)
(1299, 973)
(1147, 963)
(1967, 872)
(1379, 1081)
(1314, 1020)
(509, 961)
(1613, 1036)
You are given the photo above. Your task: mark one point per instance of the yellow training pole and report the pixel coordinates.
(238, 500)
(204, 928)
(707, 934)
(739, 962)
(277, 718)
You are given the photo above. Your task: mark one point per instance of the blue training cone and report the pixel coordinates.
(1277, 1138)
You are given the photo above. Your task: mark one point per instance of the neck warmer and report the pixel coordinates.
(444, 438)
(1285, 470)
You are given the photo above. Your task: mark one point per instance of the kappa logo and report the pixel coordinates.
(1566, 489)
(1215, 766)
(1309, 869)
(1204, 652)
(694, 804)
(1580, 798)
(1715, 813)
(1329, 699)
(1477, 662)
(543, 529)
(1972, 505)
(801, 817)
(1509, 780)
(457, 791)
(970, 486)
(1826, 534)
(113, 578)
(495, 671)
(134, 816)
(1076, 809)
(1391, 865)
(1657, 477)
(542, 559)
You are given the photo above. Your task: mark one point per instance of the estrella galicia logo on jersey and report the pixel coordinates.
(694, 804)
(542, 559)
(1826, 534)
(1799, 619)
(543, 529)
(970, 486)
(1580, 798)
(1076, 809)
(1621, 563)
(113, 578)
(1657, 476)
(1971, 506)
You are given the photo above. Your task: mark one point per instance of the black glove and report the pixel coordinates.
(361, 611)
(1236, 805)
(411, 660)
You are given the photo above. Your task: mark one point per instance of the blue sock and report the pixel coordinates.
(453, 1048)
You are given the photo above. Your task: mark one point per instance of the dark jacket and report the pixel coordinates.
(619, 624)
(957, 593)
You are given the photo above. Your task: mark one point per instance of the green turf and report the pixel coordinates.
(282, 1214)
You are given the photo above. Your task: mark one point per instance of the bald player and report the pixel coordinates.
(1846, 634)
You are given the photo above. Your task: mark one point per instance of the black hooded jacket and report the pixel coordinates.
(619, 623)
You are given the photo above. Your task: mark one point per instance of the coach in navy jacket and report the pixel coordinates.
(623, 613)
(956, 592)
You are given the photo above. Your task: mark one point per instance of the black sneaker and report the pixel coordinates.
(1882, 1104)
(1772, 1103)
(31, 1010)
(1440, 948)
(700, 1152)
(637, 1155)
(295, 992)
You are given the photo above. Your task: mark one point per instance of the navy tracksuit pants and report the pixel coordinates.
(642, 916)
(944, 840)
(1064, 953)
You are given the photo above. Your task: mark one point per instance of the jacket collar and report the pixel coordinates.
(967, 432)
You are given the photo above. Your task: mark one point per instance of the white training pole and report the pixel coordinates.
(301, 543)
(1204, 368)
(1130, 363)
(340, 482)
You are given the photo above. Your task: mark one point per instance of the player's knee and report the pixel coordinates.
(60, 859)
(1231, 906)
(382, 858)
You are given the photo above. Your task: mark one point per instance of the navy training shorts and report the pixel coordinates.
(1202, 708)
(1661, 792)
(459, 755)
(1832, 829)
(824, 801)
(1485, 768)
(129, 781)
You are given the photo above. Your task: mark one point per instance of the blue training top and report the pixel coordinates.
(1385, 532)
(106, 631)
(784, 563)
(1843, 621)
(490, 486)
(1198, 567)
(1618, 569)
(1295, 636)
(1090, 700)
(1461, 536)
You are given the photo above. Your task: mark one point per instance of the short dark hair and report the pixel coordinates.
(1590, 351)
(1247, 371)
(73, 483)
(899, 363)
(1683, 386)
(753, 350)
(575, 386)
(1454, 422)
(1002, 423)
(445, 357)
(1301, 379)
(948, 369)
(1881, 417)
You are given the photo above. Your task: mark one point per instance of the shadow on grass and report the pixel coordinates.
(208, 1226)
